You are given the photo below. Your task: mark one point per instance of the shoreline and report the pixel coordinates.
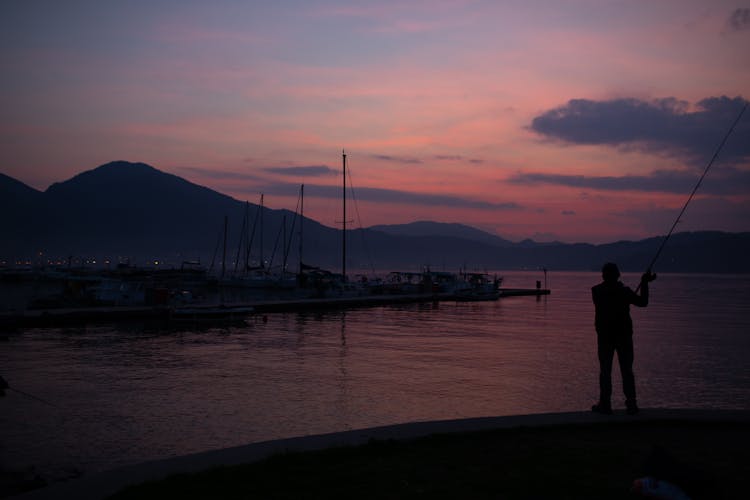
(103, 484)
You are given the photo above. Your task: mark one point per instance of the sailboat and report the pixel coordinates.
(324, 282)
(259, 276)
(311, 278)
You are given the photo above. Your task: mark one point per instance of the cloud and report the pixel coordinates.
(309, 171)
(568, 212)
(715, 213)
(739, 20)
(668, 126)
(396, 159)
(458, 158)
(218, 174)
(381, 195)
(248, 183)
(725, 181)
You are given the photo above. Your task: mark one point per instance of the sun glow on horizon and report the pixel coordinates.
(438, 106)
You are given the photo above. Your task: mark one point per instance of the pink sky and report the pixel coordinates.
(434, 101)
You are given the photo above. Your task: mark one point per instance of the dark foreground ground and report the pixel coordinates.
(590, 460)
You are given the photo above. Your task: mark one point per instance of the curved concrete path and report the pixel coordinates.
(101, 485)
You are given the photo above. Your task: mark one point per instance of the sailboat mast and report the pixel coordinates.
(237, 259)
(248, 237)
(262, 264)
(343, 232)
(283, 232)
(224, 254)
(301, 222)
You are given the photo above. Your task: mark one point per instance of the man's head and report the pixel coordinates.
(610, 272)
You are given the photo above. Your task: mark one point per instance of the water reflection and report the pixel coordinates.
(143, 391)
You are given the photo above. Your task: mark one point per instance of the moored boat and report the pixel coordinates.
(478, 286)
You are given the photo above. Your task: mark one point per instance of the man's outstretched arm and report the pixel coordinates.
(642, 299)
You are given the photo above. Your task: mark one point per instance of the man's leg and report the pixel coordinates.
(606, 352)
(625, 360)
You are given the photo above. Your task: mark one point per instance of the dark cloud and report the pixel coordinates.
(380, 195)
(458, 158)
(666, 126)
(396, 159)
(716, 213)
(568, 212)
(252, 185)
(396, 196)
(722, 181)
(218, 174)
(739, 20)
(309, 171)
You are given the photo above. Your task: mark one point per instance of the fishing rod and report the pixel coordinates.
(697, 185)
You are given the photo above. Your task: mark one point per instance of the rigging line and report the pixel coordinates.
(291, 235)
(282, 230)
(705, 171)
(359, 219)
(242, 240)
(252, 238)
(216, 250)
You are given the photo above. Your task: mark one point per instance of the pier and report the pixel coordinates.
(71, 316)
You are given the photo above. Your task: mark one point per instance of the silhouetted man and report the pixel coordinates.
(614, 333)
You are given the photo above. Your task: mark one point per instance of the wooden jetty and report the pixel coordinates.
(81, 315)
(516, 292)
(66, 316)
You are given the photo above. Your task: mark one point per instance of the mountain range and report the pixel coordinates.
(133, 211)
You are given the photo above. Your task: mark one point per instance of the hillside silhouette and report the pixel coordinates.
(124, 210)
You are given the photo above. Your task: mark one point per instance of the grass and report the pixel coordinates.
(709, 460)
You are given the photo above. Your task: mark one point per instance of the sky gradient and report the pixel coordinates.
(573, 121)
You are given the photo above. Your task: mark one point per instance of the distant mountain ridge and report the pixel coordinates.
(430, 228)
(12, 187)
(134, 211)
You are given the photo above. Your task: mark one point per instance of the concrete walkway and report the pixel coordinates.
(101, 485)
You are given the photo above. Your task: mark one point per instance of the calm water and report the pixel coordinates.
(126, 394)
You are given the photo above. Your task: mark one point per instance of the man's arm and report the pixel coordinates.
(642, 299)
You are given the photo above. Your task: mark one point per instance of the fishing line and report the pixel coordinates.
(705, 171)
(66, 428)
(19, 391)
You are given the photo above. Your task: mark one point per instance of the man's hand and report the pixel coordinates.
(648, 276)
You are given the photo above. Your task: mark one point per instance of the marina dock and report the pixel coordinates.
(70, 316)
(516, 292)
